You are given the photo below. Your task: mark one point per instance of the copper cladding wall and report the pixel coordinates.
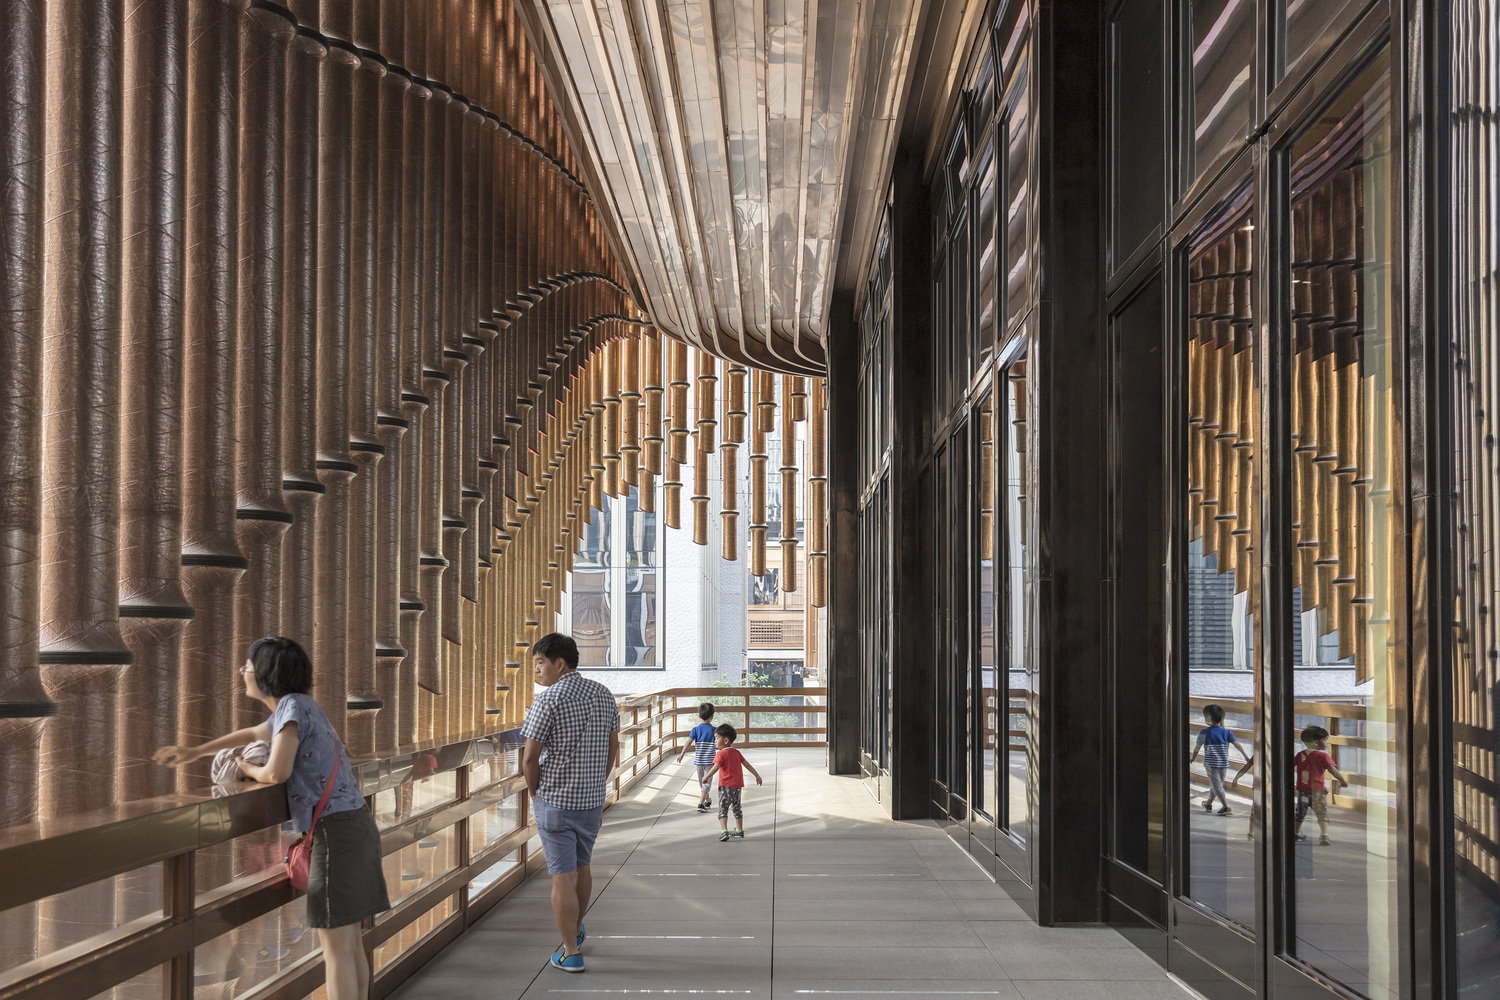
(306, 317)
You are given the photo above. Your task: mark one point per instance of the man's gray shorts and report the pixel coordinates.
(567, 835)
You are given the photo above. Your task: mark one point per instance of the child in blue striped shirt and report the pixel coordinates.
(1214, 740)
(702, 741)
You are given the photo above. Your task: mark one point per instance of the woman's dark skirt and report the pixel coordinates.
(345, 883)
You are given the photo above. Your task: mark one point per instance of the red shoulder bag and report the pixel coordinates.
(299, 855)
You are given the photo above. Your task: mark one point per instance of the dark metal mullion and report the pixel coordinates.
(178, 900)
(1276, 882)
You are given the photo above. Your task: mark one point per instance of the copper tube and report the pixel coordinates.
(734, 405)
(299, 478)
(757, 550)
(153, 608)
(653, 440)
(700, 498)
(707, 417)
(677, 436)
(630, 422)
(765, 401)
(817, 476)
(611, 390)
(730, 501)
(798, 395)
(211, 558)
(23, 698)
(788, 487)
(672, 494)
(81, 651)
(391, 419)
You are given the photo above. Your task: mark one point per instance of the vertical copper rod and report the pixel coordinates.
(651, 419)
(788, 486)
(211, 558)
(262, 514)
(23, 698)
(153, 608)
(363, 442)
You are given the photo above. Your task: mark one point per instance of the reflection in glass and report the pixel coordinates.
(1223, 37)
(589, 589)
(1348, 517)
(1221, 589)
(1017, 134)
(1475, 499)
(986, 239)
(1020, 562)
(613, 592)
(984, 606)
(1305, 22)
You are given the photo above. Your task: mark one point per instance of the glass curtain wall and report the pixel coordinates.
(874, 519)
(1474, 500)
(611, 602)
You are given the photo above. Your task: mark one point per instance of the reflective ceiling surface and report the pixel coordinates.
(740, 149)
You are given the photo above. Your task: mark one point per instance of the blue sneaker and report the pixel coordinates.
(567, 963)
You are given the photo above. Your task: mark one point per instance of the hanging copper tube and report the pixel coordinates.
(23, 698)
(336, 467)
(651, 346)
(362, 701)
(262, 514)
(758, 518)
(788, 488)
(299, 478)
(734, 405)
(798, 395)
(707, 415)
(817, 492)
(630, 421)
(391, 423)
(611, 390)
(730, 502)
(211, 559)
(81, 650)
(677, 436)
(153, 608)
(414, 398)
(700, 498)
(765, 401)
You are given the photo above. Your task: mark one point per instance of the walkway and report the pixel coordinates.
(824, 900)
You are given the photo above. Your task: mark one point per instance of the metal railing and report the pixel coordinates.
(185, 897)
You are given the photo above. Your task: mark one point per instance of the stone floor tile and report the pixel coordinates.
(891, 989)
(904, 962)
(1053, 989)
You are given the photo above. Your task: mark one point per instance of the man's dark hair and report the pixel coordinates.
(281, 666)
(727, 731)
(1214, 713)
(556, 646)
(1313, 734)
(706, 711)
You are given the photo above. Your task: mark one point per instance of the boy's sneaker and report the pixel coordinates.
(724, 836)
(739, 834)
(703, 807)
(1323, 841)
(1208, 805)
(1226, 811)
(567, 963)
(1301, 837)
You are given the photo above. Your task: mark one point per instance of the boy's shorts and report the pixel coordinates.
(1316, 801)
(703, 770)
(729, 801)
(567, 835)
(1216, 780)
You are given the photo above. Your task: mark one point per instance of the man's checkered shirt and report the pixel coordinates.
(572, 721)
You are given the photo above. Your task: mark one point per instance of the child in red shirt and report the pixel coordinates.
(730, 766)
(1309, 767)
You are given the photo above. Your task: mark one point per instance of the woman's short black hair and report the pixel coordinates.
(281, 666)
(727, 731)
(706, 711)
(1213, 713)
(556, 646)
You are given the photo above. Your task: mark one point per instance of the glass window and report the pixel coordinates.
(589, 590)
(1137, 78)
(1348, 512)
(986, 239)
(1304, 25)
(984, 607)
(1222, 33)
(1018, 542)
(1474, 498)
(1017, 132)
(1220, 587)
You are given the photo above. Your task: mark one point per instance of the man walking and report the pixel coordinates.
(572, 735)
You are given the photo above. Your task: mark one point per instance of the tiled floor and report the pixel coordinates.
(824, 900)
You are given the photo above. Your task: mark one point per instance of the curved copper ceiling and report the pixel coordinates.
(738, 148)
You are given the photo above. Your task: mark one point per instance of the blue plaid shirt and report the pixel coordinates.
(572, 721)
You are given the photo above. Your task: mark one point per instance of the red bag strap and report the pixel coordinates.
(329, 789)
